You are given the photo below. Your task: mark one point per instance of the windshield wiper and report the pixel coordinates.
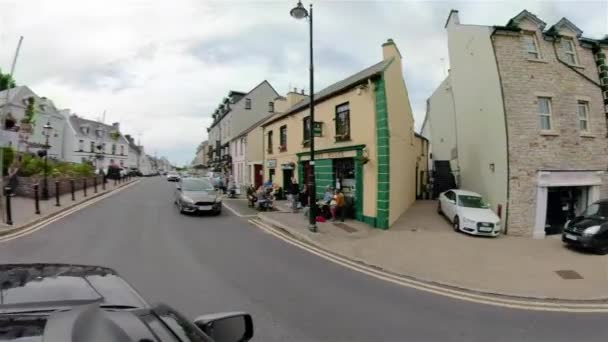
(118, 307)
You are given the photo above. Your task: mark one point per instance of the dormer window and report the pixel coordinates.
(100, 133)
(531, 45)
(84, 129)
(567, 45)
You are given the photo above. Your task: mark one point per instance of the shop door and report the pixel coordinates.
(257, 176)
(287, 174)
(562, 205)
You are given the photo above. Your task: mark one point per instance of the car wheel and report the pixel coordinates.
(179, 206)
(439, 208)
(456, 224)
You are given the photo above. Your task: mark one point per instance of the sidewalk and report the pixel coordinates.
(24, 213)
(423, 245)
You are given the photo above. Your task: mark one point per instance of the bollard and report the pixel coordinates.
(72, 189)
(95, 184)
(84, 187)
(9, 214)
(37, 198)
(57, 204)
(103, 184)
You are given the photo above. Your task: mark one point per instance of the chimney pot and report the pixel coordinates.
(302, 91)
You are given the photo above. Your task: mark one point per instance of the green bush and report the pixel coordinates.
(34, 166)
(8, 154)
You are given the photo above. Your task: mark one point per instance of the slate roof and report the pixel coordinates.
(335, 88)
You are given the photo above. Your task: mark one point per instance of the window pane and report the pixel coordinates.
(583, 124)
(570, 59)
(545, 122)
(543, 105)
(582, 110)
(567, 45)
(530, 43)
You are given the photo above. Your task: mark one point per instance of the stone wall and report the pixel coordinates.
(25, 186)
(564, 147)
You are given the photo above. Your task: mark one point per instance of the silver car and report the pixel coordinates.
(194, 195)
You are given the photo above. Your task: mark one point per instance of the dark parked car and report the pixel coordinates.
(590, 229)
(63, 303)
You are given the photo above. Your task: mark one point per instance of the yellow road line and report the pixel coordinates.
(436, 289)
(37, 226)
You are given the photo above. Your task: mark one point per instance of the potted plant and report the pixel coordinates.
(114, 135)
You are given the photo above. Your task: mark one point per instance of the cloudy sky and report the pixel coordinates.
(160, 67)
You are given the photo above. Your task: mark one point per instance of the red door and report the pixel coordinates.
(257, 176)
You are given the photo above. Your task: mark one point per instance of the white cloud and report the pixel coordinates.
(161, 67)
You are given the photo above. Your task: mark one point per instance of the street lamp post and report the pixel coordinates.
(299, 12)
(46, 130)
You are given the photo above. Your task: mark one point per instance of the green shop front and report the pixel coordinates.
(339, 168)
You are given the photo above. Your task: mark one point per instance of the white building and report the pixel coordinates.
(95, 142)
(44, 111)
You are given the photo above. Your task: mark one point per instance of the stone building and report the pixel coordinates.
(529, 119)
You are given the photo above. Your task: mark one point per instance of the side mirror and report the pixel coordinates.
(226, 327)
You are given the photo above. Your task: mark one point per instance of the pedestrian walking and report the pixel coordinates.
(13, 170)
(293, 191)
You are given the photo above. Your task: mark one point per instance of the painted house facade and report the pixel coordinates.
(529, 127)
(235, 114)
(364, 142)
(44, 111)
(95, 142)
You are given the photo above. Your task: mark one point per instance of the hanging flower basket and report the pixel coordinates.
(114, 135)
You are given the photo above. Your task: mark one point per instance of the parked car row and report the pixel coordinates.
(469, 213)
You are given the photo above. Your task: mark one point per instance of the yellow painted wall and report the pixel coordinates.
(363, 132)
(421, 148)
(401, 130)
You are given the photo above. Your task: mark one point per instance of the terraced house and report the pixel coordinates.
(522, 119)
(364, 141)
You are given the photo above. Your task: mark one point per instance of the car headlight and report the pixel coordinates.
(188, 200)
(591, 230)
(468, 221)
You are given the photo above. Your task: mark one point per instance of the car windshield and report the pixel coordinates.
(196, 185)
(472, 202)
(597, 209)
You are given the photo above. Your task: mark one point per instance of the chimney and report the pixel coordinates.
(116, 125)
(390, 50)
(453, 19)
(302, 91)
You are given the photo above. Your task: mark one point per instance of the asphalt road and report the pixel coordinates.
(209, 264)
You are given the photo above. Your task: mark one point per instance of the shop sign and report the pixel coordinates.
(288, 166)
(271, 163)
(334, 155)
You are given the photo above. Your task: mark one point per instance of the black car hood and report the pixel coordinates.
(586, 222)
(49, 285)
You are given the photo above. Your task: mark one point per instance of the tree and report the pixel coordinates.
(6, 81)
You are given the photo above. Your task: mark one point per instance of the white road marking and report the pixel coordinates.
(232, 210)
(37, 226)
(436, 289)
